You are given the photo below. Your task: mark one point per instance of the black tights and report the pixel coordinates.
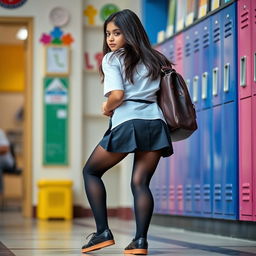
(144, 166)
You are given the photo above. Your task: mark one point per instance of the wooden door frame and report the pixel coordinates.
(27, 208)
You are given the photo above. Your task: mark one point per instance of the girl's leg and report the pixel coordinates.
(144, 167)
(97, 164)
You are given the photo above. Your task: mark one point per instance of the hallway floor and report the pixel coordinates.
(29, 237)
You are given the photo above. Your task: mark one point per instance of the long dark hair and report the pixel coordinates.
(137, 46)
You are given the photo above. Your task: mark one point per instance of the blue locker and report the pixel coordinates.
(216, 32)
(196, 79)
(229, 53)
(179, 176)
(188, 172)
(230, 160)
(230, 113)
(195, 165)
(206, 161)
(217, 162)
(205, 68)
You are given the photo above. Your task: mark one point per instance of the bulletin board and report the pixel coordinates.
(55, 139)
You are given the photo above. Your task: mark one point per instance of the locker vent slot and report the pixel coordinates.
(206, 40)
(196, 45)
(216, 35)
(228, 29)
(244, 20)
(171, 193)
(180, 192)
(187, 49)
(179, 53)
(229, 192)
(217, 192)
(188, 193)
(164, 193)
(246, 192)
(197, 193)
(207, 192)
(254, 16)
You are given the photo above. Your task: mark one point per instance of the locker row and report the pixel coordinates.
(202, 177)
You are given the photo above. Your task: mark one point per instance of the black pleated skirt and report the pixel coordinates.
(138, 135)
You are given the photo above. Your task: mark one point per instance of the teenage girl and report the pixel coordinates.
(131, 71)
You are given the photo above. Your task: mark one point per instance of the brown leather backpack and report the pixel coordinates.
(176, 105)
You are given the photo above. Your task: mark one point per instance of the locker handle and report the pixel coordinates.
(243, 71)
(204, 85)
(195, 89)
(215, 81)
(254, 67)
(226, 77)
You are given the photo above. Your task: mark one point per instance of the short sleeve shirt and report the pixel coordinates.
(143, 88)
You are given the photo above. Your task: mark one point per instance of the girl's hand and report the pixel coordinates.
(105, 111)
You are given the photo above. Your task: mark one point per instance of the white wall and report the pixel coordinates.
(39, 10)
(81, 141)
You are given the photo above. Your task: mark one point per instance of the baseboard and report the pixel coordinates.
(231, 228)
(124, 213)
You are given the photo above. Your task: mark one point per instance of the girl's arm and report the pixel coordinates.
(115, 99)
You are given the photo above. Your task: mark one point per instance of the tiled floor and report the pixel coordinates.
(26, 237)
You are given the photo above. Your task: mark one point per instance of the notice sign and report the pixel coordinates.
(55, 149)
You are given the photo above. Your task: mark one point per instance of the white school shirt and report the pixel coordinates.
(143, 88)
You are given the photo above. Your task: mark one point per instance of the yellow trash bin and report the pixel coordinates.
(55, 199)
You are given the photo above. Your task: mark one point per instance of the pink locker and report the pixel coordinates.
(245, 82)
(245, 159)
(178, 51)
(244, 47)
(254, 153)
(253, 55)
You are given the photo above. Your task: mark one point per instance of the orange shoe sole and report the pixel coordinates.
(98, 246)
(136, 251)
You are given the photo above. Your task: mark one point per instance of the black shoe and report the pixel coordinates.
(99, 241)
(139, 246)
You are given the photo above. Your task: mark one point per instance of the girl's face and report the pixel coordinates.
(115, 38)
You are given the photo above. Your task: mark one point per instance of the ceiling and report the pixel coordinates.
(8, 34)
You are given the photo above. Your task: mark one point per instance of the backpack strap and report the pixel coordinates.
(141, 101)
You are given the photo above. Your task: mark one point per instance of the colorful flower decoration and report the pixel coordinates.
(56, 36)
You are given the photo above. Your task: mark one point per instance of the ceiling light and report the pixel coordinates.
(22, 34)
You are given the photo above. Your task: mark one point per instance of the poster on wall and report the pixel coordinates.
(57, 61)
(55, 138)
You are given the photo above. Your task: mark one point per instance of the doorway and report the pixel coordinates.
(16, 108)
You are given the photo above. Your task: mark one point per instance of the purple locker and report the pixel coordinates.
(171, 193)
(244, 48)
(245, 159)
